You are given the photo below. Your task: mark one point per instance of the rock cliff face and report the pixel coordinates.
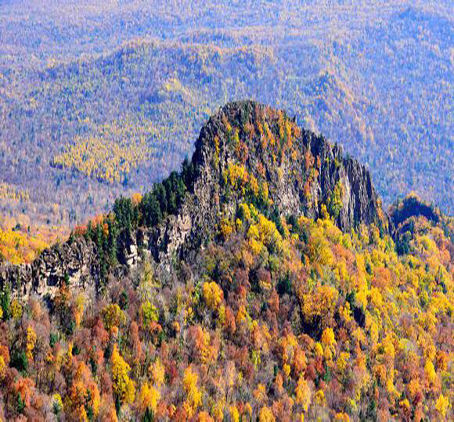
(299, 172)
(246, 152)
(74, 261)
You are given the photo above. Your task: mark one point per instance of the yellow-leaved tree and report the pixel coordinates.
(149, 397)
(212, 294)
(193, 394)
(123, 385)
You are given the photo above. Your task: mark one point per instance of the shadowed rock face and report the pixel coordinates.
(245, 152)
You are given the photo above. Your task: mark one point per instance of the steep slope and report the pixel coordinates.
(260, 283)
(247, 152)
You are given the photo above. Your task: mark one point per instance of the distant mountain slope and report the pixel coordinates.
(379, 83)
(65, 29)
(405, 69)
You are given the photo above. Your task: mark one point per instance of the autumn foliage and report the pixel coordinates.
(276, 318)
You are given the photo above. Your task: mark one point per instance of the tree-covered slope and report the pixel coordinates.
(245, 287)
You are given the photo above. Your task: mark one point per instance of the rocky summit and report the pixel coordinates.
(246, 152)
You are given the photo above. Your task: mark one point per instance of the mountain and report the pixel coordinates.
(246, 153)
(78, 131)
(262, 281)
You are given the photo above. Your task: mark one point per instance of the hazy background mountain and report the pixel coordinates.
(100, 100)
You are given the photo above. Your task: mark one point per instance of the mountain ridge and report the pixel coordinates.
(245, 150)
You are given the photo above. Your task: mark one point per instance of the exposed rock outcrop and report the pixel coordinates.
(302, 184)
(75, 262)
(247, 151)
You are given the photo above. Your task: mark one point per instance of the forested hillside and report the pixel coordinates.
(375, 77)
(262, 282)
(226, 210)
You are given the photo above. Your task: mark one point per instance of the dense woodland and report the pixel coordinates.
(301, 322)
(278, 318)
